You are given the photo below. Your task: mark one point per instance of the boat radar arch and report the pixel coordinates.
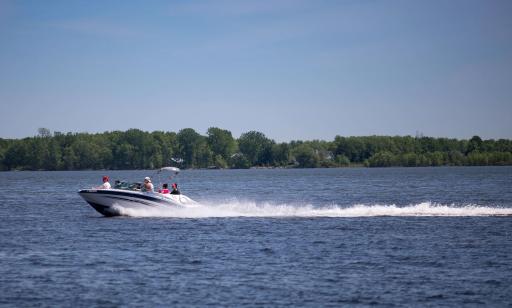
(170, 169)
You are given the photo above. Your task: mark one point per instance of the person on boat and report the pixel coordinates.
(165, 189)
(148, 186)
(106, 184)
(175, 190)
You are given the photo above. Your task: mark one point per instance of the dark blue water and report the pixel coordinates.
(323, 237)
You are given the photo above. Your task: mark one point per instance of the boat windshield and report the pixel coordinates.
(170, 172)
(128, 186)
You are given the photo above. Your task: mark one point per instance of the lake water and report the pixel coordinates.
(318, 237)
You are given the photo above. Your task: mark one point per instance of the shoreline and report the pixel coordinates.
(268, 168)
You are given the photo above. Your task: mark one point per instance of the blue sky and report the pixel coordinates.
(290, 69)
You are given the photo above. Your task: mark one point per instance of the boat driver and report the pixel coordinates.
(106, 184)
(148, 186)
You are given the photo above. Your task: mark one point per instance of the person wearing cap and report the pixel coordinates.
(175, 190)
(106, 184)
(148, 186)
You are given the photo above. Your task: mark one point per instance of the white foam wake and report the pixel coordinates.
(252, 209)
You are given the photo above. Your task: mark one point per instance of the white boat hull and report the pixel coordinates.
(110, 202)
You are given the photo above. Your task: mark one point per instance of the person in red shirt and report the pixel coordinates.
(165, 189)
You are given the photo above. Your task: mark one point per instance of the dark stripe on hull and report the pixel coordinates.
(136, 198)
(132, 200)
(121, 193)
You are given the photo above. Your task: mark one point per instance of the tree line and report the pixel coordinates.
(137, 149)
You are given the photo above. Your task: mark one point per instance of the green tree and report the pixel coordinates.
(281, 154)
(53, 161)
(87, 155)
(476, 158)
(219, 162)
(221, 142)
(256, 147)
(383, 159)
(136, 149)
(192, 148)
(16, 156)
(239, 161)
(124, 156)
(167, 147)
(69, 159)
(306, 156)
(474, 144)
(204, 156)
(342, 160)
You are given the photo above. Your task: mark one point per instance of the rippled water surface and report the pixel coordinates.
(390, 237)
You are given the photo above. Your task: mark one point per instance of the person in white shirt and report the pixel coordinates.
(148, 186)
(106, 184)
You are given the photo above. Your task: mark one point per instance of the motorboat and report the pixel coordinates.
(113, 202)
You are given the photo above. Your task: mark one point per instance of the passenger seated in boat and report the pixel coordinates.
(117, 184)
(105, 185)
(175, 190)
(148, 186)
(165, 189)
